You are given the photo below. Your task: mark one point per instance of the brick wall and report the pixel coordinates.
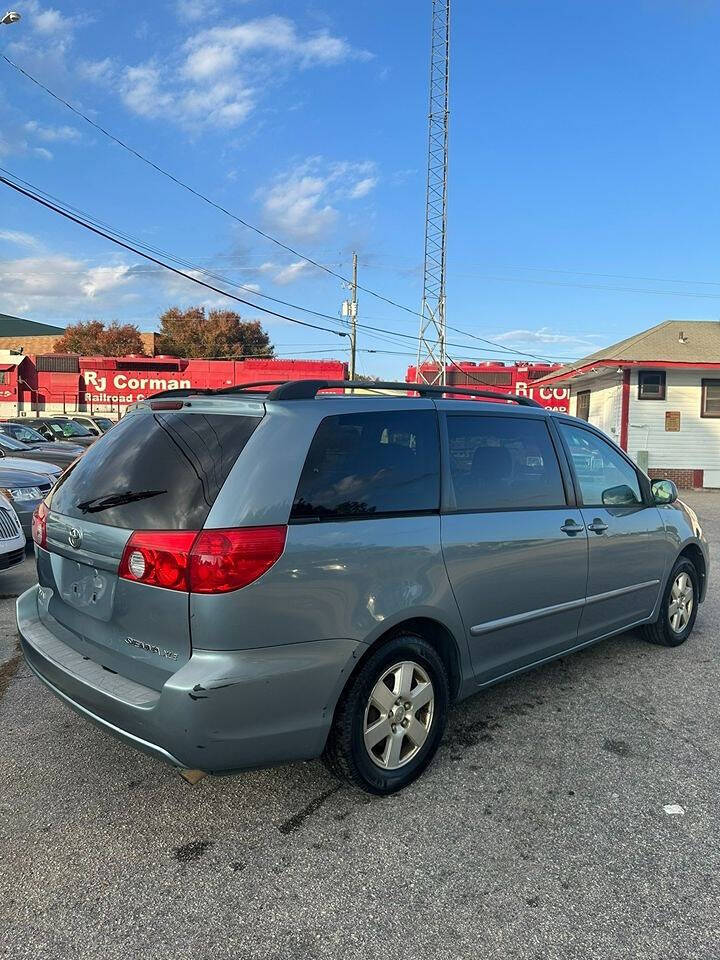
(32, 345)
(40, 345)
(683, 479)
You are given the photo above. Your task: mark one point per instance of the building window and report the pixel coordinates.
(582, 409)
(710, 398)
(651, 385)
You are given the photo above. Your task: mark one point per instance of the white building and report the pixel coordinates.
(657, 394)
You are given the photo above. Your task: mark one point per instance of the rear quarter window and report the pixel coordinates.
(154, 471)
(370, 465)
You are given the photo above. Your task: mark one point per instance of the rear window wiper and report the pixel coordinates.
(116, 500)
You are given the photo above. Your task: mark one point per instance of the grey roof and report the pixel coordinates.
(676, 341)
(17, 327)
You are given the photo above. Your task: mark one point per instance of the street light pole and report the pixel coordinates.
(12, 16)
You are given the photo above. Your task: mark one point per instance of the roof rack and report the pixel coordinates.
(214, 391)
(308, 389)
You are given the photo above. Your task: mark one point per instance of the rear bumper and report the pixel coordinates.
(221, 711)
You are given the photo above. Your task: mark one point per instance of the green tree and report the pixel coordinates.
(94, 338)
(216, 333)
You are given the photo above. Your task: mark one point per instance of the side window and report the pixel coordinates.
(503, 462)
(605, 477)
(582, 410)
(651, 385)
(370, 464)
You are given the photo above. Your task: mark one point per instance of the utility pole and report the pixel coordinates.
(431, 342)
(349, 310)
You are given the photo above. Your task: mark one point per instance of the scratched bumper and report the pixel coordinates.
(221, 711)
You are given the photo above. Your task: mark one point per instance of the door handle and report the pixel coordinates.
(598, 526)
(571, 528)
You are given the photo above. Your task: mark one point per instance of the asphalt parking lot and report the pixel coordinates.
(539, 832)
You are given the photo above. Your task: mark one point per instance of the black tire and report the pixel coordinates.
(660, 632)
(346, 754)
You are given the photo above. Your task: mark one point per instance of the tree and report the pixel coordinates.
(217, 333)
(94, 338)
(120, 339)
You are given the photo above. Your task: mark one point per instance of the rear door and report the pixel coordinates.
(627, 541)
(155, 471)
(514, 541)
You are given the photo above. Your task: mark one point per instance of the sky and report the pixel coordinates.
(583, 189)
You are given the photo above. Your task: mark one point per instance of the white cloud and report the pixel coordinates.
(142, 93)
(50, 21)
(97, 71)
(363, 187)
(193, 10)
(102, 279)
(61, 285)
(42, 153)
(50, 133)
(543, 335)
(302, 203)
(218, 75)
(273, 34)
(284, 274)
(19, 239)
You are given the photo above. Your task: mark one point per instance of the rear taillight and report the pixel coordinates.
(39, 524)
(223, 560)
(159, 559)
(211, 561)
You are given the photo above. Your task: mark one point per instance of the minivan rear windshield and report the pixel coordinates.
(154, 471)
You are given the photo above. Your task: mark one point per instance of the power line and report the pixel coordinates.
(201, 196)
(598, 286)
(197, 193)
(102, 233)
(123, 240)
(222, 209)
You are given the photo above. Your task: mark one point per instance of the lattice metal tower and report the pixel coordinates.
(431, 345)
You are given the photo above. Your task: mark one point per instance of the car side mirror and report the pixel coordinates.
(94, 431)
(620, 496)
(664, 492)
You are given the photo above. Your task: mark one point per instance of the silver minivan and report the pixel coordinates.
(235, 578)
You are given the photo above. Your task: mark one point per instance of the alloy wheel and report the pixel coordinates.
(681, 603)
(398, 715)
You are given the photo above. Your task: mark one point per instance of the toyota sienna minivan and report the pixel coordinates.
(234, 578)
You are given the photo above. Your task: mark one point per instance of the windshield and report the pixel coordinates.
(11, 444)
(28, 435)
(68, 428)
(159, 471)
(104, 423)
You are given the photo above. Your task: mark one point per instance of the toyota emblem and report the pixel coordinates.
(75, 537)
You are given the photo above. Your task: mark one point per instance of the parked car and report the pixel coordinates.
(59, 429)
(16, 454)
(25, 489)
(65, 451)
(95, 425)
(12, 538)
(49, 456)
(232, 580)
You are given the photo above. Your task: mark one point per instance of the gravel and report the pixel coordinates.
(547, 828)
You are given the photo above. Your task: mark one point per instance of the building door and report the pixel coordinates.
(515, 547)
(626, 535)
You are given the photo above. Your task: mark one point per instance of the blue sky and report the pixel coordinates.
(583, 199)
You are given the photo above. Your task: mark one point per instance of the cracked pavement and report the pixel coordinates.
(539, 832)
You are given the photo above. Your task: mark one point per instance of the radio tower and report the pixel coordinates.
(431, 345)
